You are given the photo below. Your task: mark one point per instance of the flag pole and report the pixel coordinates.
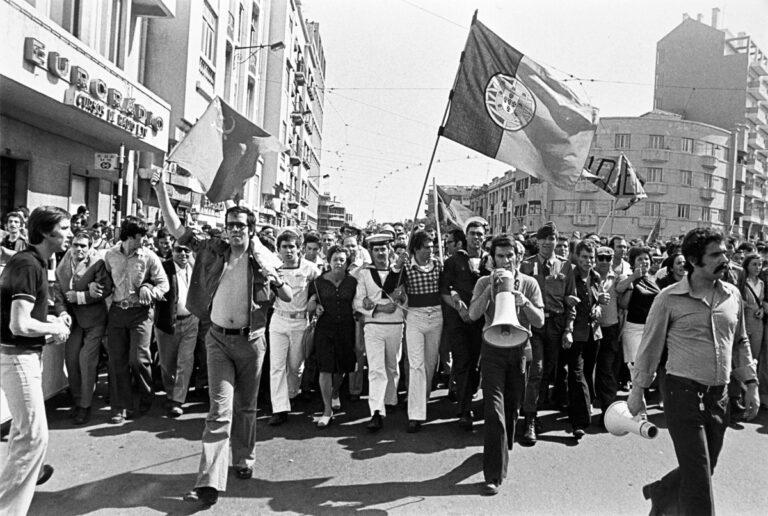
(437, 220)
(609, 216)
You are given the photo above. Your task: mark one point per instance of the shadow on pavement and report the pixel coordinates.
(163, 493)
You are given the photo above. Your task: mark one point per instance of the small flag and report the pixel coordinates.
(508, 107)
(451, 211)
(221, 150)
(655, 232)
(617, 177)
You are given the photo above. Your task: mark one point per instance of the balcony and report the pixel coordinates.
(759, 63)
(585, 186)
(654, 155)
(648, 221)
(757, 89)
(754, 192)
(757, 140)
(300, 77)
(738, 204)
(757, 115)
(707, 193)
(297, 117)
(741, 173)
(585, 219)
(756, 166)
(153, 8)
(655, 188)
(294, 159)
(311, 92)
(709, 162)
(208, 73)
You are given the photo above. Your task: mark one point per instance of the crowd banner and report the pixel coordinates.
(221, 150)
(450, 211)
(512, 109)
(617, 177)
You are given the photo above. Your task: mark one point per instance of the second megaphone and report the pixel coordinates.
(506, 331)
(619, 421)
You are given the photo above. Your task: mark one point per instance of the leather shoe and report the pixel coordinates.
(207, 496)
(578, 433)
(45, 473)
(117, 417)
(413, 426)
(465, 422)
(174, 409)
(376, 422)
(82, 415)
(529, 435)
(244, 472)
(490, 488)
(278, 418)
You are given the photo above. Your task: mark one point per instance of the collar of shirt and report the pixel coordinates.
(683, 287)
(551, 262)
(33, 251)
(416, 266)
(179, 268)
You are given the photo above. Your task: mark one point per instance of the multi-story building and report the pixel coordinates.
(294, 92)
(74, 85)
(692, 175)
(457, 193)
(707, 74)
(331, 214)
(211, 48)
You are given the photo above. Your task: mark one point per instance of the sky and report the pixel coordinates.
(390, 65)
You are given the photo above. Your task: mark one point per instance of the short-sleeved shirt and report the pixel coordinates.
(24, 278)
(529, 288)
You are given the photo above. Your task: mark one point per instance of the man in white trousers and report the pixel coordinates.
(382, 328)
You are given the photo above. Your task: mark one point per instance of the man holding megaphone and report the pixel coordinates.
(700, 322)
(511, 303)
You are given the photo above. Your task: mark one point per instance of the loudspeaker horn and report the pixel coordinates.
(619, 421)
(506, 331)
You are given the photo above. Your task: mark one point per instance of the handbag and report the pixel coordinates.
(308, 338)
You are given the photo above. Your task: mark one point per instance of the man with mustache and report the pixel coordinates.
(700, 322)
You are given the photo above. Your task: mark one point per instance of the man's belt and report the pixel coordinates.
(696, 386)
(125, 304)
(244, 331)
(292, 315)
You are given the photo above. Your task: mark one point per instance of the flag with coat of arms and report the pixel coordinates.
(510, 108)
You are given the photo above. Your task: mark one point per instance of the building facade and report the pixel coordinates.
(707, 74)
(331, 214)
(293, 111)
(73, 86)
(691, 174)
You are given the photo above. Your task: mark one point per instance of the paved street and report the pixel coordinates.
(145, 466)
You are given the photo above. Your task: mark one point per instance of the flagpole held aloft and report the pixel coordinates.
(437, 220)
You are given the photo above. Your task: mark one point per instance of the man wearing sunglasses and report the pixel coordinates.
(609, 357)
(176, 330)
(230, 283)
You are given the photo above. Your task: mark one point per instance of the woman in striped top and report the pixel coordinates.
(424, 320)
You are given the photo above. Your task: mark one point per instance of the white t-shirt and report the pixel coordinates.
(298, 278)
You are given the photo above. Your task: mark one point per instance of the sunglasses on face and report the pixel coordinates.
(182, 250)
(83, 246)
(604, 258)
(236, 225)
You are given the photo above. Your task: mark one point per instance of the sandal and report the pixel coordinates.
(324, 421)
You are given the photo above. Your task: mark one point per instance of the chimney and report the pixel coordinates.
(699, 17)
(686, 16)
(715, 17)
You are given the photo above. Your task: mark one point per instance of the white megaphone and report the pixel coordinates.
(619, 421)
(506, 331)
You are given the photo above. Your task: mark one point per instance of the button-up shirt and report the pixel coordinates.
(610, 311)
(131, 272)
(555, 282)
(704, 342)
(182, 286)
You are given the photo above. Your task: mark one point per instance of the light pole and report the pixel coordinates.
(277, 45)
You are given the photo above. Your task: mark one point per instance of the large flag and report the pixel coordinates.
(451, 211)
(221, 150)
(616, 177)
(508, 107)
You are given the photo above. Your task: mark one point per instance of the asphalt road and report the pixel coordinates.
(146, 465)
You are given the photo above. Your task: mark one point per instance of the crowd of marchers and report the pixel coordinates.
(251, 317)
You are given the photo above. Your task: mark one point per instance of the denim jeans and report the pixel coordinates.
(465, 341)
(503, 385)
(545, 350)
(697, 436)
(21, 381)
(422, 331)
(234, 373)
(607, 367)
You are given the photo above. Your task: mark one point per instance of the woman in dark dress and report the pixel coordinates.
(331, 298)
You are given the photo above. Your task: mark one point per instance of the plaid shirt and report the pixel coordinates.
(423, 288)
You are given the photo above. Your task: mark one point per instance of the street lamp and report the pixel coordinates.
(278, 45)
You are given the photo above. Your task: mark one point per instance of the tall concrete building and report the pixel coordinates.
(73, 84)
(211, 48)
(706, 73)
(331, 214)
(690, 171)
(294, 92)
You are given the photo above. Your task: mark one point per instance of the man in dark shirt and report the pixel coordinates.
(25, 324)
(460, 273)
(552, 275)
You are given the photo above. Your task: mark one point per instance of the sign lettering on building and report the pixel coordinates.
(105, 161)
(93, 95)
